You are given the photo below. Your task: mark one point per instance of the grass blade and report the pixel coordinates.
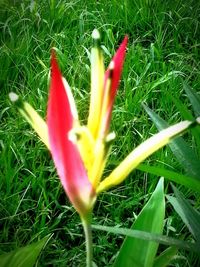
(165, 257)
(188, 181)
(194, 99)
(165, 240)
(165, 78)
(188, 214)
(187, 115)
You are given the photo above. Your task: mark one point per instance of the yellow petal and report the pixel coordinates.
(140, 153)
(97, 168)
(71, 100)
(31, 115)
(103, 120)
(101, 151)
(97, 80)
(85, 142)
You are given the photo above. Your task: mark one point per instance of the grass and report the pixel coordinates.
(163, 47)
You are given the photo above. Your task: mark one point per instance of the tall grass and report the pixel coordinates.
(163, 47)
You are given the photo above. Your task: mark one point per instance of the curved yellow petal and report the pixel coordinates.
(31, 115)
(140, 153)
(97, 80)
(101, 152)
(97, 168)
(71, 101)
(82, 137)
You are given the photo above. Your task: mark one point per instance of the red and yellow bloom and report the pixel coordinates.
(80, 152)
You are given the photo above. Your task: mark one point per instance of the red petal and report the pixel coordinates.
(118, 60)
(114, 73)
(65, 154)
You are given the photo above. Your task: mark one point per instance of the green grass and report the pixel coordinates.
(164, 41)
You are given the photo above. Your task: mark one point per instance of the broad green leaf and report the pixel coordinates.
(188, 181)
(25, 256)
(195, 102)
(188, 214)
(136, 234)
(165, 257)
(194, 99)
(184, 154)
(184, 111)
(141, 253)
(31, 115)
(187, 115)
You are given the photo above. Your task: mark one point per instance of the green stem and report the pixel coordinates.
(88, 240)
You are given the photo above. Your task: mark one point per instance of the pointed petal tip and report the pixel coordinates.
(95, 34)
(53, 56)
(123, 47)
(53, 52)
(55, 70)
(126, 39)
(111, 65)
(13, 97)
(124, 42)
(54, 62)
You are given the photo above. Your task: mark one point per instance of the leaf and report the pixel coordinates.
(195, 101)
(165, 78)
(165, 240)
(188, 214)
(188, 181)
(187, 115)
(165, 257)
(184, 154)
(194, 98)
(25, 256)
(138, 252)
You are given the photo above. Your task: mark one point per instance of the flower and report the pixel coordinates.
(80, 151)
(61, 118)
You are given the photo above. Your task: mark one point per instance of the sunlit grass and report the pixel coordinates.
(163, 48)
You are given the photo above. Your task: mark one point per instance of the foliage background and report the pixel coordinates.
(164, 40)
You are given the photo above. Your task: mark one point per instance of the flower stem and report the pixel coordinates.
(88, 240)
